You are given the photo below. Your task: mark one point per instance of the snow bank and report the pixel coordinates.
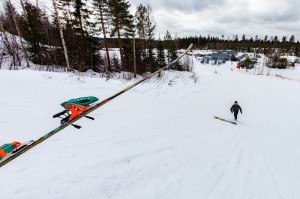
(159, 140)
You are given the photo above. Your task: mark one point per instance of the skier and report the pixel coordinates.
(235, 109)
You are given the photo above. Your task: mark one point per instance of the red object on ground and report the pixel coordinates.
(2, 153)
(75, 109)
(7, 148)
(16, 144)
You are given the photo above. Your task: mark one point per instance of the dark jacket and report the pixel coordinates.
(235, 108)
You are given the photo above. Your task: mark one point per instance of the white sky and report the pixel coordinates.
(228, 17)
(221, 17)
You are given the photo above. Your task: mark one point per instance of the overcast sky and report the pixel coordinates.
(221, 17)
(226, 17)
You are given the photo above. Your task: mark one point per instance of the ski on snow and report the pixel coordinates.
(225, 120)
(93, 107)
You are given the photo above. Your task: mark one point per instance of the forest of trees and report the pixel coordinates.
(262, 45)
(90, 27)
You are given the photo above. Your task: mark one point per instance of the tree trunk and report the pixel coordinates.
(19, 33)
(62, 37)
(108, 67)
(120, 43)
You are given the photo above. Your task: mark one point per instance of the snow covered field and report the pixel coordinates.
(159, 140)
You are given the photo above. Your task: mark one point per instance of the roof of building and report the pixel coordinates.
(220, 55)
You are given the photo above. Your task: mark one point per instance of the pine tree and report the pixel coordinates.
(170, 46)
(243, 38)
(161, 62)
(102, 16)
(297, 49)
(145, 28)
(141, 33)
(168, 41)
(122, 22)
(81, 20)
(283, 39)
(292, 39)
(78, 27)
(33, 29)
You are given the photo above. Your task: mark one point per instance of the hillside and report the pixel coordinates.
(159, 140)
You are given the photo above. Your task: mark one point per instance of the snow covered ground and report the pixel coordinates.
(159, 140)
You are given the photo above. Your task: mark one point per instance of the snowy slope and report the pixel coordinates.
(159, 140)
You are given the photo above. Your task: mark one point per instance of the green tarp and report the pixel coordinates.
(83, 101)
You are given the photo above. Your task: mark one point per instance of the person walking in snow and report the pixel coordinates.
(235, 109)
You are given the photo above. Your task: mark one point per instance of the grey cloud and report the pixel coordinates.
(223, 17)
(184, 6)
(276, 18)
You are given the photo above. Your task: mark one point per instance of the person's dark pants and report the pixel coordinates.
(235, 115)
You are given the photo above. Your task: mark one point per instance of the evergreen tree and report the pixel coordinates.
(102, 16)
(81, 21)
(236, 38)
(122, 22)
(145, 29)
(33, 32)
(243, 38)
(167, 42)
(297, 49)
(141, 33)
(283, 39)
(161, 62)
(78, 27)
(292, 39)
(171, 50)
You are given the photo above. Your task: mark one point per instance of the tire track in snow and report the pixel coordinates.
(275, 183)
(219, 178)
(249, 167)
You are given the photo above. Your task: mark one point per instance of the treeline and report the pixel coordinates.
(89, 28)
(267, 45)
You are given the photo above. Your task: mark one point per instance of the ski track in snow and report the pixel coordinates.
(158, 140)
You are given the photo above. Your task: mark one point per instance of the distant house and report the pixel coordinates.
(232, 52)
(204, 60)
(220, 56)
(233, 55)
(233, 58)
(199, 55)
(224, 56)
